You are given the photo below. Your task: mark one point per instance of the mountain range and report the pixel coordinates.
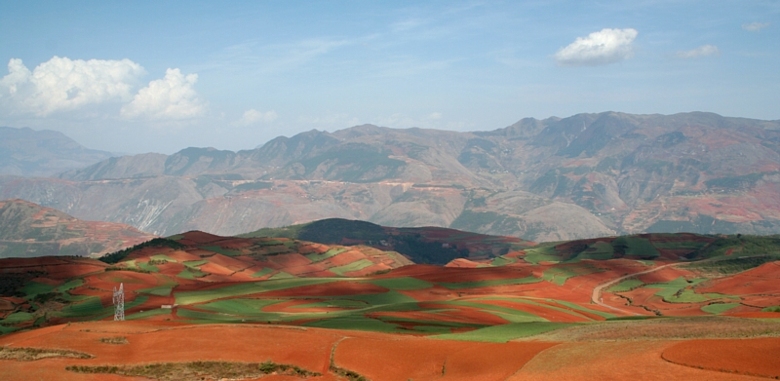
(584, 176)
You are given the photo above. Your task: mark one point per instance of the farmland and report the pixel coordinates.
(657, 289)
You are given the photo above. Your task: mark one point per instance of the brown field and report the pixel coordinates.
(757, 357)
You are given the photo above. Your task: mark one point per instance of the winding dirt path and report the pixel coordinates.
(595, 297)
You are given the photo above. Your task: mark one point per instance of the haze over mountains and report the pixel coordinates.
(554, 179)
(26, 152)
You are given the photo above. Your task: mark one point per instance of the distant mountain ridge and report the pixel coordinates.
(31, 153)
(584, 176)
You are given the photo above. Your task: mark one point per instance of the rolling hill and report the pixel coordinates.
(195, 301)
(30, 230)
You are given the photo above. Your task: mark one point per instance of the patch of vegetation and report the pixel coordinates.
(163, 290)
(199, 370)
(262, 272)
(192, 297)
(16, 318)
(349, 374)
(32, 354)
(771, 309)
(731, 265)
(222, 250)
(681, 290)
(402, 283)
(332, 252)
(195, 263)
(626, 285)
(134, 269)
(355, 322)
(505, 332)
(718, 308)
(542, 253)
(117, 340)
(281, 275)
(354, 266)
(191, 273)
(634, 247)
(238, 306)
(490, 283)
(148, 267)
(118, 256)
(742, 245)
(148, 314)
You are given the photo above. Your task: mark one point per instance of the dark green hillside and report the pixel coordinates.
(426, 245)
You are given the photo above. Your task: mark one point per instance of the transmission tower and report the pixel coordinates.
(119, 303)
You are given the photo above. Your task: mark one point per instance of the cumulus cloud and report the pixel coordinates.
(701, 51)
(62, 84)
(170, 98)
(755, 26)
(253, 116)
(598, 48)
(434, 116)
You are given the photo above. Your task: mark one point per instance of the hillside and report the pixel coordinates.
(30, 230)
(426, 245)
(585, 176)
(31, 153)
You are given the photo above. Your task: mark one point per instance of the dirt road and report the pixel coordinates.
(595, 297)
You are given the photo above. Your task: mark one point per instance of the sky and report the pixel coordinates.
(152, 76)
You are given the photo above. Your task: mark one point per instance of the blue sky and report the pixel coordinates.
(160, 76)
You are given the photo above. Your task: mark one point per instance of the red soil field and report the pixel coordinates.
(622, 360)
(462, 262)
(160, 342)
(344, 258)
(758, 357)
(182, 256)
(760, 280)
(402, 358)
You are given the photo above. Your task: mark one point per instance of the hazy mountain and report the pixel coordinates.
(30, 230)
(26, 152)
(587, 175)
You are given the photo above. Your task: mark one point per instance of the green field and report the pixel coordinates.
(626, 285)
(490, 283)
(718, 308)
(319, 257)
(505, 332)
(681, 290)
(192, 297)
(402, 283)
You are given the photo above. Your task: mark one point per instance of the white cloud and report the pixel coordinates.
(434, 116)
(170, 98)
(62, 84)
(253, 116)
(755, 26)
(701, 51)
(598, 48)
